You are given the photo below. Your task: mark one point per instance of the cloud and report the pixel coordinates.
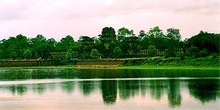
(57, 18)
(72, 9)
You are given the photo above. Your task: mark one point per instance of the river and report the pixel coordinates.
(109, 89)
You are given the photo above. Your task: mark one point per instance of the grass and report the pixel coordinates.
(114, 67)
(166, 67)
(156, 63)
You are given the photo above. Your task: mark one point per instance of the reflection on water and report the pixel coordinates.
(115, 87)
(205, 90)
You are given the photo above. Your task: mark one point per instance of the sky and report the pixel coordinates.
(59, 18)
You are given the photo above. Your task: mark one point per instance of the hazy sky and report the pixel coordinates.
(58, 18)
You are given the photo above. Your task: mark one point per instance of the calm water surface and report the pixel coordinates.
(117, 89)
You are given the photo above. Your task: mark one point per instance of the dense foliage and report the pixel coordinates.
(110, 44)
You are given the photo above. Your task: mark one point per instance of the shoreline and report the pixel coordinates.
(161, 67)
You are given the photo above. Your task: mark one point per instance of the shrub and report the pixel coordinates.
(181, 55)
(27, 54)
(203, 53)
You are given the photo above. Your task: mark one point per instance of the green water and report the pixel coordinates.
(92, 89)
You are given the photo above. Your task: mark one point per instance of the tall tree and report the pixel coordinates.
(117, 52)
(40, 47)
(21, 44)
(141, 34)
(123, 33)
(87, 45)
(108, 40)
(155, 37)
(205, 40)
(68, 40)
(27, 54)
(65, 43)
(173, 41)
(155, 32)
(173, 34)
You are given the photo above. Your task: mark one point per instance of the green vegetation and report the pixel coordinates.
(117, 52)
(123, 44)
(152, 50)
(94, 53)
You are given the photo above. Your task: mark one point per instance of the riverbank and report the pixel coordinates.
(117, 67)
(194, 62)
(151, 63)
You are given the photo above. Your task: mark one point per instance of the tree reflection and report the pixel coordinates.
(157, 88)
(87, 87)
(39, 88)
(205, 90)
(17, 74)
(68, 86)
(174, 95)
(109, 91)
(143, 86)
(21, 89)
(12, 89)
(18, 89)
(128, 88)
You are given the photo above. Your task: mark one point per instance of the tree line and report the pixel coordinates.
(111, 44)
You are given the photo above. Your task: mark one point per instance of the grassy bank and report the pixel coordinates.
(151, 63)
(165, 67)
(116, 67)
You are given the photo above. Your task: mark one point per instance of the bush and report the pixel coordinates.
(193, 51)
(152, 51)
(95, 53)
(27, 54)
(181, 55)
(214, 55)
(203, 53)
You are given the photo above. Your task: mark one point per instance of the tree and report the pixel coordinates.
(68, 40)
(173, 41)
(14, 44)
(205, 40)
(1, 54)
(13, 54)
(108, 40)
(181, 55)
(65, 44)
(21, 44)
(27, 54)
(155, 37)
(1, 50)
(52, 42)
(94, 53)
(123, 33)
(173, 34)
(131, 46)
(87, 45)
(193, 51)
(155, 32)
(69, 54)
(117, 52)
(203, 53)
(152, 51)
(39, 46)
(142, 34)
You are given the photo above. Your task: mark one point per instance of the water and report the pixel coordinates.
(98, 89)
